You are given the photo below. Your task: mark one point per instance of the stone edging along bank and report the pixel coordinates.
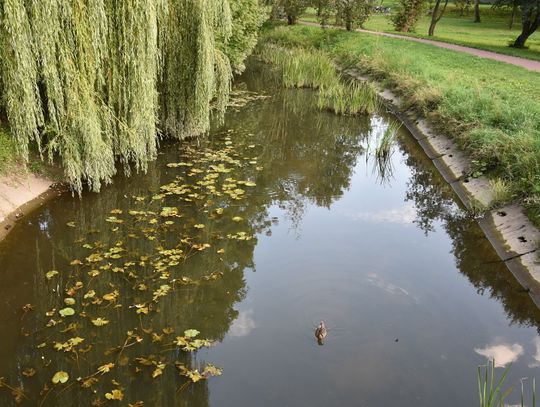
(513, 236)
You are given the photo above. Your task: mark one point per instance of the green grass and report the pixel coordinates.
(491, 34)
(490, 108)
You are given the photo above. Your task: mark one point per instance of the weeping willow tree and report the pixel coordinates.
(92, 82)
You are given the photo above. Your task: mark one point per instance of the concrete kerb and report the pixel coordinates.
(513, 236)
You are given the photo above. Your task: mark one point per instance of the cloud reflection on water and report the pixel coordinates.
(403, 216)
(243, 325)
(501, 353)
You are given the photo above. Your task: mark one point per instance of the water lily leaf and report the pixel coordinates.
(136, 404)
(87, 383)
(29, 372)
(158, 371)
(71, 224)
(105, 368)
(69, 301)
(51, 274)
(237, 218)
(191, 333)
(211, 370)
(100, 321)
(68, 311)
(249, 184)
(111, 296)
(60, 377)
(199, 226)
(114, 219)
(75, 341)
(115, 394)
(90, 294)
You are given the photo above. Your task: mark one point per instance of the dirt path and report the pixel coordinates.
(529, 64)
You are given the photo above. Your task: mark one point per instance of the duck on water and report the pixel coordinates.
(320, 333)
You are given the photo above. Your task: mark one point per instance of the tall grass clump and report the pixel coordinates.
(301, 68)
(308, 68)
(501, 191)
(490, 391)
(348, 98)
(384, 150)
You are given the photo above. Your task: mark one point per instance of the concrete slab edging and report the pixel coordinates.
(513, 236)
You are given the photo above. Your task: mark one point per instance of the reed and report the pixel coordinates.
(490, 391)
(348, 98)
(308, 68)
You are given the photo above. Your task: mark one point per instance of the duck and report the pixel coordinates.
(321, 332)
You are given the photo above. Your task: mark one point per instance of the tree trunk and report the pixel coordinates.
(291, 20)
(476, 11)
(348, 25)
(436, 15)
(529, 26)
(431, 30)
(514, 11)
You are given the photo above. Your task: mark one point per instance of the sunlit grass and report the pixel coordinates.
(492, 34)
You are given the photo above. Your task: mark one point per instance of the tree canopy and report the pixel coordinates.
(95, 81)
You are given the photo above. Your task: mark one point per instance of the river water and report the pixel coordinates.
(279, 219)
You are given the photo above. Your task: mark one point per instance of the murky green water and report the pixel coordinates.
(280, 219)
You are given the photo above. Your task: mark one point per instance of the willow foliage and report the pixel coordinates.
(95, 81)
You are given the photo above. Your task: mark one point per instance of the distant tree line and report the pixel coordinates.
(354, 13)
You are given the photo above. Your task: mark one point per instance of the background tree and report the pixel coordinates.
(476, 11)
(512, 5)
(408, 12)
(530, 20)
(247, 18)
(291, 8)
(354, 12)
(325, 8)
(436, 15)
(462, 6)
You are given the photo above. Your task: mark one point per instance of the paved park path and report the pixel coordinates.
(529, 64)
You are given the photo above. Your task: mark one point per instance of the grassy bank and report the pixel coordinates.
(491, 109)
(492, 34)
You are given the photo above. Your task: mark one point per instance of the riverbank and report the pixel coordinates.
(490, 109)
(20, 193)
(467, 131)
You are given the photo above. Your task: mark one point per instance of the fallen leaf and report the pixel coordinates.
(60, 377)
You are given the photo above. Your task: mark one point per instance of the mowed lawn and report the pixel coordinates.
(491, 34)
